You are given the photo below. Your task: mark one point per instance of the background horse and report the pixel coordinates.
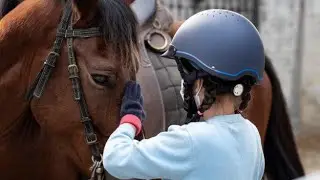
(267, 109)
(43, 138)
(161, 84)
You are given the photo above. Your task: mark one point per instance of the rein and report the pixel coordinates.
(65, 31)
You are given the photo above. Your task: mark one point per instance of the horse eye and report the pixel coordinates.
(103, 80)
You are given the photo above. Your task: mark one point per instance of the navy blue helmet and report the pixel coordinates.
(220, 42)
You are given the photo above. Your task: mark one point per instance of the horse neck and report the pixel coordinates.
(24, 28)
(22, 34)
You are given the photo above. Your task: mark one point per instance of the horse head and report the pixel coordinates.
(78, 56)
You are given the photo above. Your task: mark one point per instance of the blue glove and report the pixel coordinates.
(132, 101)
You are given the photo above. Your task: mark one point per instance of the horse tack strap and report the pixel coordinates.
(79, 33)
(90, 135)
(43, 76)
(65, 31)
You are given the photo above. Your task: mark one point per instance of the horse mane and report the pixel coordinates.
(7, 5)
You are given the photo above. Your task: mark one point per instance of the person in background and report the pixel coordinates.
(220, 56)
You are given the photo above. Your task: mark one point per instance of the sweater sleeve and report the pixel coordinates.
(167, 155)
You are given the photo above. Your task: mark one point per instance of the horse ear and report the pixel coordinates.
(84, 9)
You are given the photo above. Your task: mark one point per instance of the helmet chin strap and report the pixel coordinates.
(197, 97)
(188, 81)
(192, 103)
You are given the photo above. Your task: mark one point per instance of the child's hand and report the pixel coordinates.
(132, 104)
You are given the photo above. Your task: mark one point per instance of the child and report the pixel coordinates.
(220, 57)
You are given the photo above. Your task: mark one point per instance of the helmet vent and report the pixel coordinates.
(220, 13)
(216, 13)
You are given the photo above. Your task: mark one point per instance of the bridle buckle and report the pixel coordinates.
(73, 68)
(91, 139)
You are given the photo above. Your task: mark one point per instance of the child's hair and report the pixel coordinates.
(216, 87)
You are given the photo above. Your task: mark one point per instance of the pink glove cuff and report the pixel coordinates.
(134, 120)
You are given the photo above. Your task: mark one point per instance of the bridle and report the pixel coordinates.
(65, 31)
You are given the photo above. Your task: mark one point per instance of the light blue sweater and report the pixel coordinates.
(222, 148)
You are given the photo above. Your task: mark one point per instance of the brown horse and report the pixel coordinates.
(43, 137)
(282, 160)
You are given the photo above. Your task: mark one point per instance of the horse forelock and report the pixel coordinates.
(120, 30)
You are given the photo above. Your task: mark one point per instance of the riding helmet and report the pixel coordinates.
(220, 42)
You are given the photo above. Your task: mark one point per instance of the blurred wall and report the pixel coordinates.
(309, 136)
(281, 30)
